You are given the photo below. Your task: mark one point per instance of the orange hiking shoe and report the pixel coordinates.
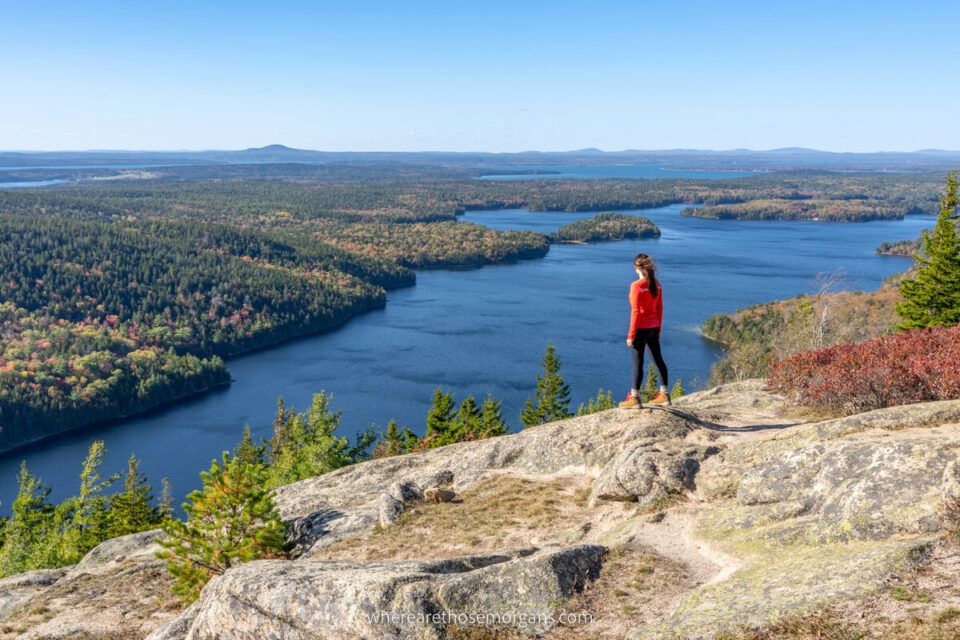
(631, 402)
(661, 398)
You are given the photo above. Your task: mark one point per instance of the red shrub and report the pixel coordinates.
(912, 366)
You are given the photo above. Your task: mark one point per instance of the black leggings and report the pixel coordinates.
(647, 338)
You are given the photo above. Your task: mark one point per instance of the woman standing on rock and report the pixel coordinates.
(646, 319)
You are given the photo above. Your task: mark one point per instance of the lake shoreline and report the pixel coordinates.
(156, 408)
(177, 401)
(336, 323)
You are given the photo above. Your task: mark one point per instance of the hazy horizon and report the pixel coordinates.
(292, 147)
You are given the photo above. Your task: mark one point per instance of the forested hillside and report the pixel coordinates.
(102, 319)
(759, 335)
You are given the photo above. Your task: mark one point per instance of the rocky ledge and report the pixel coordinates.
(722, 512)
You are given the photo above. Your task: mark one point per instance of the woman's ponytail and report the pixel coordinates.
(649, 271)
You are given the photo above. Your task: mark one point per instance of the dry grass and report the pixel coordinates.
(635, 587)
(501, 512)
(125, 604)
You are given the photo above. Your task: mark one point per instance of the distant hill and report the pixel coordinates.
(270, 148)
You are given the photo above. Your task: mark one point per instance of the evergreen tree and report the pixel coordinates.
(393, 442)
(282, 424)
(445, 426)
(132, 510)
(466, 424)
(411, 441)
(652, 385)
(602, 402)
(91, 509)
(363, 443)
(29, 524)
(231, 520)
(306, 445)
(440, 417)
(932, 297)
(551, 400)
(165, 507)
(491, 421)
(677, 391)
(249, 451)
(396, 441)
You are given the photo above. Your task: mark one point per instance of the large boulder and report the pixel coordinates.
(388, 509)
(334, 600)
(325, 527)
(650, 471)
(522, 594)
(112, 554)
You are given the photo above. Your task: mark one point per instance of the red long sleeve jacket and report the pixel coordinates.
(646, 312)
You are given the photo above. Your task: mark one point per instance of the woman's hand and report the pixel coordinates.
(629, 342)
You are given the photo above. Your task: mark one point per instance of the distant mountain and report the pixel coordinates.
(275, 150)
(270, 148)
(274, 153)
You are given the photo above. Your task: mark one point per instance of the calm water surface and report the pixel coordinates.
(484, 330)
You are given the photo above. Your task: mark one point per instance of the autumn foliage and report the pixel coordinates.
(911, 366)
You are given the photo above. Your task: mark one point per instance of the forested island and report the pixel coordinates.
(607, 226)
(904, 248)
(807, 209)
(122, 294)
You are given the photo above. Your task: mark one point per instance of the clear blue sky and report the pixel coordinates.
(483, 75)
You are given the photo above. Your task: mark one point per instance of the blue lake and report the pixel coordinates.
(484, 330)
